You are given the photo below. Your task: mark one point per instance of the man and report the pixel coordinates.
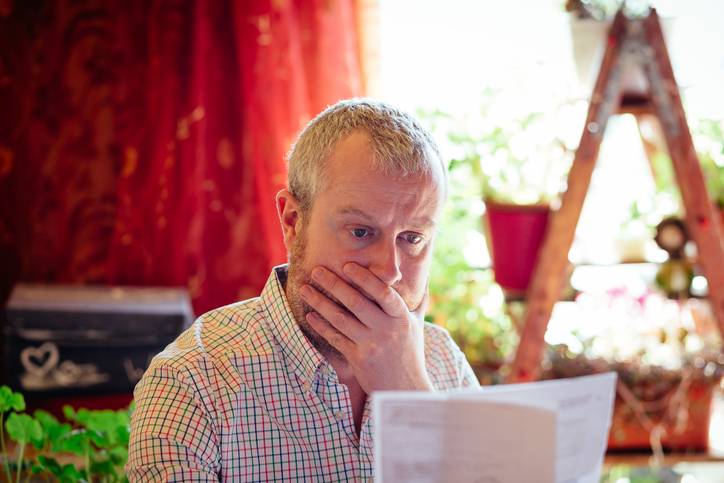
(278, 388)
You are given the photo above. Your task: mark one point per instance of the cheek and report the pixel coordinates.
(328, 253)
(416, 273)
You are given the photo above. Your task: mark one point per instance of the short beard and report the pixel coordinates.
(300, 275)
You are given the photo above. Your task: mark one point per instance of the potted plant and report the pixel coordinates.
(667, 355)
(590, 21)
(517, 166)
(467, 297)
(464, 298)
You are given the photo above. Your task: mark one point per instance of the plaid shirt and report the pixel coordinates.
(243, 396)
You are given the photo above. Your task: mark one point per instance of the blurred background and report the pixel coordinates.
(143, 142)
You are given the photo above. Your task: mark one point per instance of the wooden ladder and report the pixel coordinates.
(630, 43)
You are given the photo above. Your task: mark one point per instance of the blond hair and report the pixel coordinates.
(399, 145)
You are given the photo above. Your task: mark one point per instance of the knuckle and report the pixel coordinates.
(373, 351)
(356, 302)
(388, 295)
(335, 338)
(339, 319)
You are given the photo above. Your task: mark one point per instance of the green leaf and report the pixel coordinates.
(53, 430)
(83, 416)
(71, 474)
(22, 427)
(70, 413)
(100, 438)
(76, 441)
(46, 419)
(11, 400)
(112, 427)
(118, 455)
(50, 465)
(56, 433)
(104, 467)
(123, 435)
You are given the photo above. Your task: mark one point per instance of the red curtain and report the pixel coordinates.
(143, 142)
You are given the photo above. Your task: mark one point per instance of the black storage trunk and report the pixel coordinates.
(65, 341)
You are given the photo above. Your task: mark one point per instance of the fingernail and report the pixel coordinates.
(312, 317)
(349, 268)
(318, 273)
(305, 291)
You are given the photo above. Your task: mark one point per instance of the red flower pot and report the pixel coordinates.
(514, 234)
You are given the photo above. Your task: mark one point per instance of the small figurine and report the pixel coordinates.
(676, 274)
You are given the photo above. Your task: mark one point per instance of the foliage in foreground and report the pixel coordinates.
(44, 444)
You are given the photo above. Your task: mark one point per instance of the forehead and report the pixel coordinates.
(355, 184)
(354, 154)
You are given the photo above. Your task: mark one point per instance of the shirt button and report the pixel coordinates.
(340, 415)
(307, 386)
(324, 370)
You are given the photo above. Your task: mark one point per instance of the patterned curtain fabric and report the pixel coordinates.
(142, 142)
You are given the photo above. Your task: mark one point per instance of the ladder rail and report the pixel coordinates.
(628, 42)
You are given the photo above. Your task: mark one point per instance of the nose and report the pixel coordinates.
(384, 262)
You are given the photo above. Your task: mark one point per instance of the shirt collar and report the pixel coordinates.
(298, 353)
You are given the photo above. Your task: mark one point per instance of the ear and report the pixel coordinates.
(289, 215)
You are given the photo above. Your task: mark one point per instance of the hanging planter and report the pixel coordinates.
(676, 420)
(588, 42)
(660, 410)
(668, 359)
(518, 167)
(515, 234)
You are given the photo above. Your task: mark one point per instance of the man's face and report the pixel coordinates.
(382, 222)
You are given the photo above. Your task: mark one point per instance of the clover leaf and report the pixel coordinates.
(23, 428)
(10, 400)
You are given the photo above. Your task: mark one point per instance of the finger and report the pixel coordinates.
(388, 298)
(342, 320)
(363, 308)
(337, 339)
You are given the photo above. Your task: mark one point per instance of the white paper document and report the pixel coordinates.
(542, 432)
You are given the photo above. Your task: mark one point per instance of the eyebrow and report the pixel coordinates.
(424, 225)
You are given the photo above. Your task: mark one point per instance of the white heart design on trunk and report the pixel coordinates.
(40, 360)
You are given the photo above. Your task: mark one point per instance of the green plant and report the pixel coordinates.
(501, 152)
(463, 296)
(99, 438)
(508, 159)
(708, 135)
(465, 300)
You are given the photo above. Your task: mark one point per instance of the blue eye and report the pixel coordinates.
(359, 232)
(414, 239)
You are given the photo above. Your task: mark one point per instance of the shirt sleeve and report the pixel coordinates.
(172, 436)
(446, 363)
(469, 379)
